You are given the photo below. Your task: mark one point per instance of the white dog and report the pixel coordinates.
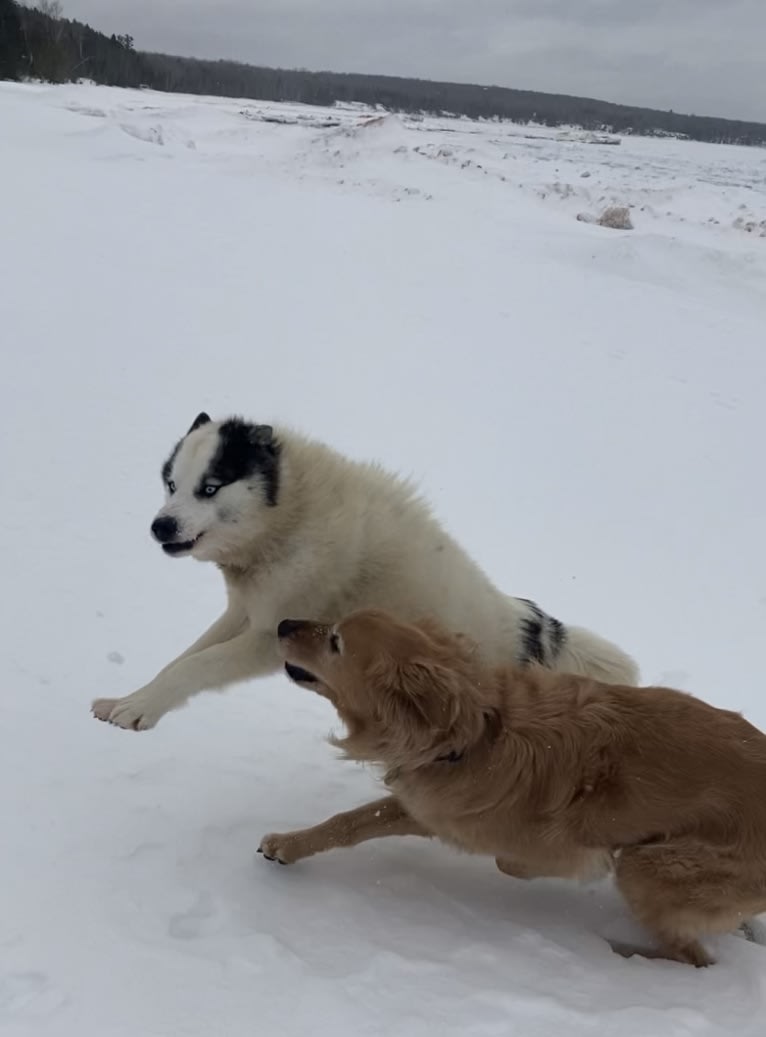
(297, 529)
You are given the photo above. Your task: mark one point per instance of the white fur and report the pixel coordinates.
(342, 536)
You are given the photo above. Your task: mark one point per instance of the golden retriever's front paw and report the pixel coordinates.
(280, 848)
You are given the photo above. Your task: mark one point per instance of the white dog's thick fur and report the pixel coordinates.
(299, 530)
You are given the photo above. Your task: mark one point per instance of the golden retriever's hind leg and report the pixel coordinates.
(676, 892)
(375, 820)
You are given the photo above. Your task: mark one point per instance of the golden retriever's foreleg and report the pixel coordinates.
(375, 820)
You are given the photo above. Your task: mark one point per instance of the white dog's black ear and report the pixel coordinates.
(261, 435)
(199, 421)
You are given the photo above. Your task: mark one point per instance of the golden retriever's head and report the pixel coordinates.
(404, 692)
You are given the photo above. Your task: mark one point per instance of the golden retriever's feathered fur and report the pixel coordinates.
(549, 773)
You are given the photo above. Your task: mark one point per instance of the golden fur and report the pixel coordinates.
(550, 774)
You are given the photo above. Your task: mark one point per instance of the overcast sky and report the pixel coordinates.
(700, 56)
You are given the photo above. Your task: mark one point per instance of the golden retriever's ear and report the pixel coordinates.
(421, 702)
(448, 643)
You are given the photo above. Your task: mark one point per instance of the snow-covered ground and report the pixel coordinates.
(583, 406)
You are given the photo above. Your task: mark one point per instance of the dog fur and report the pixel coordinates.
(296, 528)
(551, 774)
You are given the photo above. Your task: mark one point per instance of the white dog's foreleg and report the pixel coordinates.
(249, 654)
(225, 628)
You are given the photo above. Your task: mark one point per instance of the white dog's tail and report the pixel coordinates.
(589, 655)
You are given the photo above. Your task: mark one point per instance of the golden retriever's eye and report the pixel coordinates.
(335, 644)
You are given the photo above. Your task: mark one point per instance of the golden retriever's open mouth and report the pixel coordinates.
(297, 673)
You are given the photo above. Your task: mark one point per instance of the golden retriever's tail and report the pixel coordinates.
(585, 653)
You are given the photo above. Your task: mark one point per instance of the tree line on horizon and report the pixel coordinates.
(39, 43)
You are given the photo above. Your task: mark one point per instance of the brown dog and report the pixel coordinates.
(553, 775)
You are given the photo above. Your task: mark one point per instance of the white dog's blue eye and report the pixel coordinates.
(210, 490)
(171, 486)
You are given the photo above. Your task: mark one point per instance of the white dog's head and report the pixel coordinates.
(221, 479)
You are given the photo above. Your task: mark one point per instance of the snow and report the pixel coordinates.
(582, 405)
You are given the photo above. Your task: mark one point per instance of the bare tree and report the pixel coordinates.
(51, 8)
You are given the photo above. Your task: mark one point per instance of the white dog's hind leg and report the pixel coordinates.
(247, 655)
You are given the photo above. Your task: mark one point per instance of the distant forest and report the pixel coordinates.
(39, 43)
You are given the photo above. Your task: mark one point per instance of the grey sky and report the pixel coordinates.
(701, 56)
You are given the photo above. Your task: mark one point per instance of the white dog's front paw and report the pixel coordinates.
(132, 713)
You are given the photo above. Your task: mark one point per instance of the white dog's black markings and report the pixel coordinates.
(244, 450)
(542, 636)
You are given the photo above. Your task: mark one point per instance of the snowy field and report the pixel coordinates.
(583, 406)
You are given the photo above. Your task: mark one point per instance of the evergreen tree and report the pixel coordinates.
(12, 50)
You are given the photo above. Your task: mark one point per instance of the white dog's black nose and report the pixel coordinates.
(289, 626)
(164, 529)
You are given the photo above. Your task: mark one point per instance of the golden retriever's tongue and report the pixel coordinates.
(295, 673)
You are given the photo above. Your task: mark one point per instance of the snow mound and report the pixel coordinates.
(616, 217)
(367, 139)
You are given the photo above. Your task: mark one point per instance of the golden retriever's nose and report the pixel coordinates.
(289, 626)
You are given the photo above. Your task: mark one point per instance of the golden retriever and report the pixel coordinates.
(550, 774)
